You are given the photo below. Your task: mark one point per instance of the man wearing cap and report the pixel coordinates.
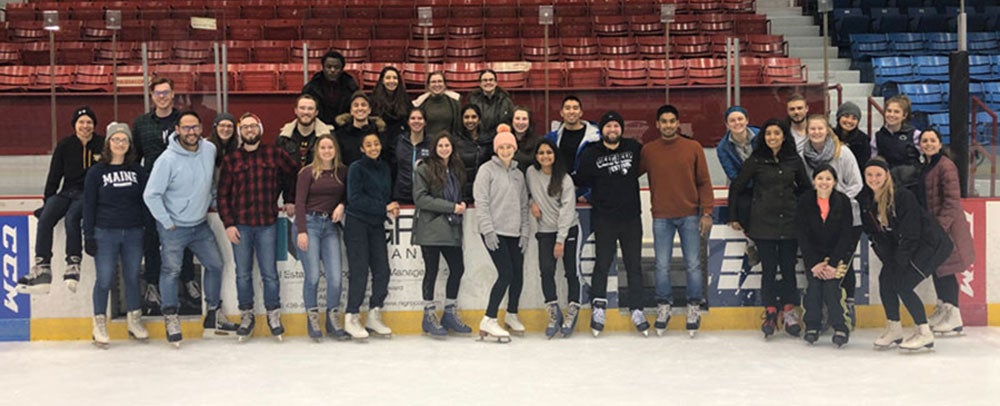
(611, 169)
(178, 195)
(252, 177)
(848, 118)
(572, 136)
(68, 169)
(681, 199)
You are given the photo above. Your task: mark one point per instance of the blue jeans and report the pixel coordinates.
(663, 245)
(56, 207)
(262, 240)
(324, 248)
(112, 243)
(201, 241)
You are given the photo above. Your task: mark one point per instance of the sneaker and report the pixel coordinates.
(216, 324)
(312, 324)
(662, 318)
(597, 317)
(430, 324)
(38, 280)
(135, 327)
(335, 327)
(100, 332)
(770, 323)
(151, 299)
(453, 323)
(172, 325)
(555, 319)
(274, 323)
(72, 276)
(247, 322)
(569, 322)
(790, 320)
(641, 324)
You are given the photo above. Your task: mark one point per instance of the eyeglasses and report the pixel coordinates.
(248, 127)
(119, 141)
(162, 93)
(190, 128)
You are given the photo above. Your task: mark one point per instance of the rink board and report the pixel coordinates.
(732, 291)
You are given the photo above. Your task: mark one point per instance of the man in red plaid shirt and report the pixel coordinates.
(252, 177)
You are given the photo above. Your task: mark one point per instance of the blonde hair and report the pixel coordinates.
(830, 134)
(885, 199)
(317, 164)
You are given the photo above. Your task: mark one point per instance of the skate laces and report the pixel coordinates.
(274, 318)
(102, 325)
(790, 317)
(638, 317)
(433, 318)
(313, 320)
(173, 324)
(598, 315)
(193, 289)
(553, 314)
(692, 313)
(334, 320)
(571, 312)
(246, 319)
(72, 270)
(662, 313)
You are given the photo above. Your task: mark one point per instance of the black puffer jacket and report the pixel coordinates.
(777, 185)
(497, 108)
(334, 97)
(859, 142)
(831, 238)
(899, 147)
(474, 153)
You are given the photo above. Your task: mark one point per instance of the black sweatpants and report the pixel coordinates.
(456, 268)
(366, 249)
(776, 254)
(891, 290)
(609, 233)
(850, 279)
(547, 265)
(829, 293)
(947, 289)
(510, 276)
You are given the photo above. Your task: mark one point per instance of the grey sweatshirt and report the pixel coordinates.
(558, 213)
(501, 199)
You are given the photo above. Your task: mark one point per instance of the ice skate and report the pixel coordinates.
(597, 318)
(38, 281)
(72, 275)
(513, 324)
(662, 318)
(770, 323)
(352, 325)
(173, 327)
(430, 324)
(892, 335)
(136, 329)
(950, 323)
(555, 319)
(923, 338)
(935, 318)
(569, 322)
(811, 336)
(334, 327)
(451, 322)
(190, 296)
(312, 324)
(840, 338)
(790, 320)
(100, 332)
(216, 325)
(490, 330)
(375, 325)
(640, 322)
(274, 323)
(247, 323)
(151, 300)
(693, 319)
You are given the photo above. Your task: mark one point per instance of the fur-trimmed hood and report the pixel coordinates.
(346, 119)
(321, 129)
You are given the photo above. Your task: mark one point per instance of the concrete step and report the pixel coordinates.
(805, 42)
(774, 3)
(795, 30)
(794, 21)
(835, 63)
(780, 11)
(836, 76)
(857, 90)
(811, 52)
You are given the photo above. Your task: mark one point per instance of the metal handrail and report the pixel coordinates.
(978, 104)
(840, 94)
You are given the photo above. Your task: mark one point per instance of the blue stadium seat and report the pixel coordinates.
(906, 43)
(930, 68)
(889, 20)
(927, 19)
(981, 68)
(941, 43)
(868, 5)
(995, 63)
(942, 123)
(991, 92)
(982, 42)
(928, 98)
(891, 70)
(850, 21)
(867, 46)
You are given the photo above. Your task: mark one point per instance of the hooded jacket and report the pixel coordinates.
(777, 185)
(728, 158)
(497, 108)
(407, 158)
(349, 138)
(69, 165)
(591, 135)
(290, 140)
(334, 99)
(179, 190)
(473, 153)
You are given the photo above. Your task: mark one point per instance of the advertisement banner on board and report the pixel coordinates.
(15, 314)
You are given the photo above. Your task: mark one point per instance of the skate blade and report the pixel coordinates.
(889, 346)
(925, 349)
(216, 333)
(435, 336)
(243, 339)
(280, 338)
(490, 337)
(595, 332)
(692, 333)
(317, 339)
(103, 346)
(459, 334)
(71, 285)
(660, 332)
(176, 344)
(34, 289)
(137, 338)
(956, 332)
(360, 340)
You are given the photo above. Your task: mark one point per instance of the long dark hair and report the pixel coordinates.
(223, 147)
(130, 155)
(479, 112)
(439, 171)
(392, 105)
(787, 146)
(558, 168)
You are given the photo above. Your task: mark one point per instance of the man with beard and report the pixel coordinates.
(611, 169)
(252, 178)
(178, 195)
(798, 110)
(298, 138)
(331, 88)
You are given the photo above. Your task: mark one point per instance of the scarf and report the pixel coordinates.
(815, 158)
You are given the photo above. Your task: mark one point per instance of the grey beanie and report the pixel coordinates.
(115, 128)
(849, 108)
(224, 117)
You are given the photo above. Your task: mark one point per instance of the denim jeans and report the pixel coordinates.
(324, 248)
(367, 250)
(151, 253)
(112, 243)
(262, 241)
(201, 241)
(57, 207)
(663, 244)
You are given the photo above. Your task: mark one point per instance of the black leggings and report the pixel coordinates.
(891, 290)
(432, 257)
(946, 288)
(510, 276)
(776, 254)
(547, 265)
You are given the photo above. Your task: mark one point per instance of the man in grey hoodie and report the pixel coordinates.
(178, 195)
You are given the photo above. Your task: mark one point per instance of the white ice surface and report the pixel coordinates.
(716, 368)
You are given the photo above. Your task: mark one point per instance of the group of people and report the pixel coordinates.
(803, 185)
(348, 161)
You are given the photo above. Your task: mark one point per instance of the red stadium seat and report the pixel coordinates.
(321, 29)
(784, 70)
(627, 73)
(122, 51)
(585, 74)
(36, 53)
(355, 31)
(92, 78)
(392, 50)
(258, 77)
(465, 50)
(172, 30)
(44, 79)
(610, 26)
(16, 78)
(706, 71)
(75, 53)
(605, 8)
(556, 72)
(690, 46)
(192, 52)
(716, 24)
(267, 51)
(465, 29)
(533, 49)
(354, 51)
(503, 49)
(287, 30)
(182, 75)
(685, 24)
(574, 27)
(752, 24)
(392, 29)
(205, 77)
(579, 49)
(398, 9)
(643, 25)
(751, 70)
(9, 54)
(501, 28)
(246, 30)
(462, 76)
(258, 12)
(434, 53)
(95, 30)
(658, 72)
(767, 45)
(26, 31)
(617, 48)
(316, 49)
(238, 51)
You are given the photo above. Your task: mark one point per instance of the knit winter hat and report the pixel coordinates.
(224, 117)
(504, 136)
(84, 111)
(879, 162)
(248, 115)
(115, 128)
(612, 116)
(735, 109)
(848, 108)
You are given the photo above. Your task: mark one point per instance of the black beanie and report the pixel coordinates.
(612, 116)
(84, 111)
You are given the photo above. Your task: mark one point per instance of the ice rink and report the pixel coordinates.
(716, 368)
